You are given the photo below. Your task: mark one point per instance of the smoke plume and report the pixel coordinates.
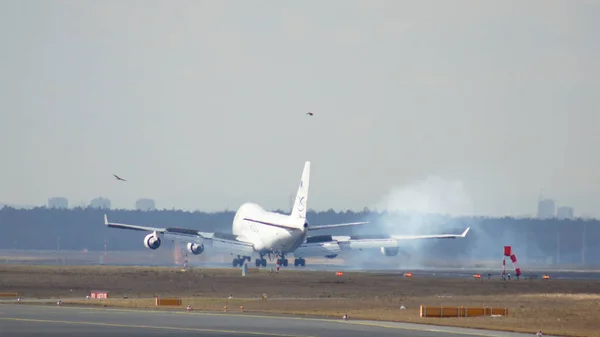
(435, 205)
(432, 195)
(428, 206)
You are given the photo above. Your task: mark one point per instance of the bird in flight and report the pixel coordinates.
(118, 178)
(309, 113)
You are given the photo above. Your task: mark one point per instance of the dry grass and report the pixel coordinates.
(559, 307)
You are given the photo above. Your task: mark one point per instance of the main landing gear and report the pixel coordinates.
(282, 261)
(262, 262)
(297, 261)
(239, 261)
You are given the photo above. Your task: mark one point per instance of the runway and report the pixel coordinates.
(33, 320)
(140, 258)
(448, 273)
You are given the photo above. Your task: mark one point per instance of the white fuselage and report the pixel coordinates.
(265, 237)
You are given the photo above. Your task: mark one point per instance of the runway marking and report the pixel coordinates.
(434, 328)
(149, 327)
(482, 333)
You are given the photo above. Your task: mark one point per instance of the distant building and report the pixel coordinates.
(587, 216)
(100, 202)
(565, 212)
(145, 205)
(546, 209)
(58, 202)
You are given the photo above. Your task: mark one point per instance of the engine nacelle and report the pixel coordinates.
(391, 251)
(152, 241)
(195, 248)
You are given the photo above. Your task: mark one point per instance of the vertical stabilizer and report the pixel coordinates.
(301, 201)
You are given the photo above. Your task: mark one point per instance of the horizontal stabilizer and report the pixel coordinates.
(284, 226)
(316, 228)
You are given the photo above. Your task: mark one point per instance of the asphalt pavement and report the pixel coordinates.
(37, 320)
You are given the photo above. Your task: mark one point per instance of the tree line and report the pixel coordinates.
(552, 240)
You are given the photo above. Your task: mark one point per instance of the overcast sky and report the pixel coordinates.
(459, 107)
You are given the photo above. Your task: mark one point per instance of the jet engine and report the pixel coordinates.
(195, 248)
(391, 251)
(152, 241)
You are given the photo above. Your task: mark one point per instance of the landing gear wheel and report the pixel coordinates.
(285, 262)
(299, 262)
(238, 261)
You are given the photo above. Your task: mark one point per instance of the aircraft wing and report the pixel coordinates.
(133, 227)
(331, 245)
(432, 236)
(220, 241)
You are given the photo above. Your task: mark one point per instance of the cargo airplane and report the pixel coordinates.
(259, 233)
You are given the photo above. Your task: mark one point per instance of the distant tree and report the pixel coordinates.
(533, 239)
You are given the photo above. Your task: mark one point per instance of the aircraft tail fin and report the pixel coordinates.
(301, 201)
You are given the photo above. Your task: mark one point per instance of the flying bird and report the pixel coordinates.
(309, 113)
(118, 178)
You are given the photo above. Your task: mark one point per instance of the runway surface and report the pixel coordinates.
(29, 320)
(141, 258)
(448, 273)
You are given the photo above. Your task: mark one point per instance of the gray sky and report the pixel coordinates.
(454, 106)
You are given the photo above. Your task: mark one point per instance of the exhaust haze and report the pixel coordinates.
(436, 205)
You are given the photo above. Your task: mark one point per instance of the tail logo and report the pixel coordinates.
(300, 204)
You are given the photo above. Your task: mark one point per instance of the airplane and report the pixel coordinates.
(259, 233)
